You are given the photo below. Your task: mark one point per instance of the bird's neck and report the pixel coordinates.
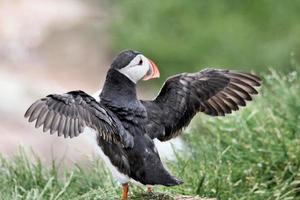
(118, 88)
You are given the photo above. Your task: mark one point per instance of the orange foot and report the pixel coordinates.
(124, 191)
(149, 189)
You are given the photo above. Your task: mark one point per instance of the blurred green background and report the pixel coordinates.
(189, 35)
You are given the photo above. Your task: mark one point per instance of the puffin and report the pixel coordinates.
(125, 127)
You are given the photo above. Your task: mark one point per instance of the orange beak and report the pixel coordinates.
(153, 72)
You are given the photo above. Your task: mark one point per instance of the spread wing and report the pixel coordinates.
(214, 92)
(68, 114)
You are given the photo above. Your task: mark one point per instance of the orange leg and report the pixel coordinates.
(124, 191)
(149, 189)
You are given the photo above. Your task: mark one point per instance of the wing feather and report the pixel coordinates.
(214, 92)
(61, 127)
(48, 120)
(68, 114)
(41, 118)
(55, 123)
(36, 109)
(67, 127)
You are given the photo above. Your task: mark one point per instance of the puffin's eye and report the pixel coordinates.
(141, 62)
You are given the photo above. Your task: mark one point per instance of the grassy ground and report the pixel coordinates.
(252, 154)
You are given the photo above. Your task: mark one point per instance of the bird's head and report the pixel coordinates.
(135, 66)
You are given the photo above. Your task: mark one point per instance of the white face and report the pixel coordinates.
(137, 68)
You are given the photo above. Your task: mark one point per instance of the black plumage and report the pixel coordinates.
(119, 95)
(126, 126)
(214, 92)
(61, 113)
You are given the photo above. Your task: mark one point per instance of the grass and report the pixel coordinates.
(252, 154)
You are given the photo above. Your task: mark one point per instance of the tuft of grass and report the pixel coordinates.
(252, 154)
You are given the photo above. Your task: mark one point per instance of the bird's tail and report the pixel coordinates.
(172, 181)
(163, 177)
